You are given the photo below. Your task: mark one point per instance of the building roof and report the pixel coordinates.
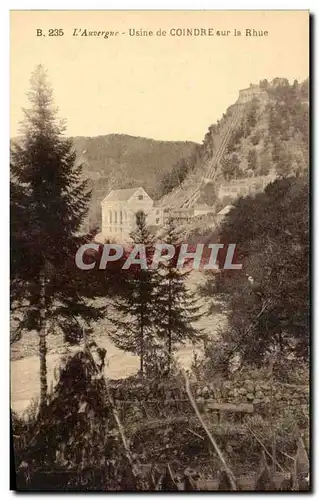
(226, 210)
(121, 194)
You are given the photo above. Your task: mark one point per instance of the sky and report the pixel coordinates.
(161, 87)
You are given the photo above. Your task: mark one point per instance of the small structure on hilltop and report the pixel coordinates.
(254, 91)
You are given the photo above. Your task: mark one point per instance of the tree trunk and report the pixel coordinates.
(43, 344)
(43, 369)
(169, 333)
(169, 342)
(142, 353)
(280, 341)
(142, 346)
(169, 350)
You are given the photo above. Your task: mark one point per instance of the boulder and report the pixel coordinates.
(264, 386)
(259, 395)
(249, 384)
(228, 384)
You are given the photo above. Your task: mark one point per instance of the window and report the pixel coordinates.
(110, 229)
(115, 217)
(140, 196)
(157, 220)
(110, 216)
(157, 212)
(121, 217)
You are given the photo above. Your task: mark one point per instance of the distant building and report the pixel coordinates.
(244, 187)
(119, 209)
(223, 213)
(254, 91)
(202, 209)
(182, 215)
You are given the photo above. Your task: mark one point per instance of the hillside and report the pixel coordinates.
(122, 161)
(119, 161)
(263, 135)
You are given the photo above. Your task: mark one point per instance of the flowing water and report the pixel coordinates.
(25, 383)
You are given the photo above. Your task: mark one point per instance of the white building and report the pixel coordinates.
(245, 187)
(119, 209)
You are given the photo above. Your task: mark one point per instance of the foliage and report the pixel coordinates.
(231, 167)
(265, 162)
(134, 330)
(155, 310)
(179, 171)
(251, 117)
(71, 446)
(75, 444)
(255, 139)
(252, 159)
(176, 307)
(49, 202)
(280, 127)
(270, 309)
(288, 119)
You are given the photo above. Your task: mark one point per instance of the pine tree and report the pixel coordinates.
(134, 330)
(177, 307)
(49, 201)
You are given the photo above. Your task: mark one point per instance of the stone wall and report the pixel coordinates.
(268, 395)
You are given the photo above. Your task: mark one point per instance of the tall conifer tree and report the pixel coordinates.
(177, 307)
(134, 329)
(49, 201)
